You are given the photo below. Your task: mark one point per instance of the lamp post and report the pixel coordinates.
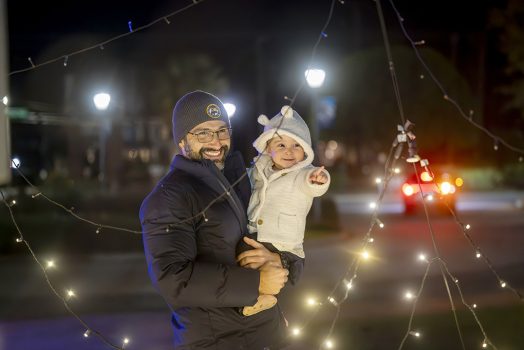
(315, 79)
(101, 101)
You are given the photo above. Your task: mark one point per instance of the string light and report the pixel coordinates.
(295, 331)
(125, 341)
(503, 284)
(130, 26)
(372, 205)
(329, 344)
(371, 240)
(415, 334)
(50, 264)
(333, 301)
(167, 20)
(5, 100)
(348, 284)
(31, 62)
(409, 295)
(71, 293)
(474, 306)
(87, 333)
(422, 257)
(311, 302)
(365, 255)
(467, 227)
(478, 255)
(65, 61)
(396, 170)
(484, 344)
(380, 223)
(19, 240)
(378, 180)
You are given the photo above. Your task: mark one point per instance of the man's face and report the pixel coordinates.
(215, 150)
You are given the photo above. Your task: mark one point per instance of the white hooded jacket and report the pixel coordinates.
(281, 199)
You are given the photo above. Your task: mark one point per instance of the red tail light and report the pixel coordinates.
(407, 189)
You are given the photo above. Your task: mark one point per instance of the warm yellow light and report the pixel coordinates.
(396, 171)
(365, 255)
(422, 257)
(50, 264)
(430, 198)
(467, 227)
(378, 180)
(70, 293)
(409, 295)
(311, 301)
(372, 205)
(329, 344)
(459, 182)
(296, 331)
(126, 341)
(446, 188)
(426, 176)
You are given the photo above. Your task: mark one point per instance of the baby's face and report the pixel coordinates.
(285, 151)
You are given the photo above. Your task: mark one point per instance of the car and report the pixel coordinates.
(439, 191)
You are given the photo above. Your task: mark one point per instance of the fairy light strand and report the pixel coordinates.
(414, 307)
(496, 139)
(48, 281)
(101, 45)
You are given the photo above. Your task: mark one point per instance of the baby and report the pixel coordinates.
(284, 183)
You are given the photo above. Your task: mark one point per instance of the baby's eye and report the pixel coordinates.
(297, 145)
(280, 145)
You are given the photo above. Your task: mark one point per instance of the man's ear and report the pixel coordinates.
(181, 144)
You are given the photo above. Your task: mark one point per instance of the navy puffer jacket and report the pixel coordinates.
(191, 258)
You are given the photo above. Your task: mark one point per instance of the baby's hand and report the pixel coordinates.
(318, 177)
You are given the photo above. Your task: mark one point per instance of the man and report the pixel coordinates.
(192, 222)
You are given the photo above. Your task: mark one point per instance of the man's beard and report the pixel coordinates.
(200, 154)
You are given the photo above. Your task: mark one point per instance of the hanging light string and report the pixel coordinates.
(403, 120)
(21, 239)
(479, 254)
(70, 210)
(415, 302)
(101, 45)
(471, 308)
(414, 44)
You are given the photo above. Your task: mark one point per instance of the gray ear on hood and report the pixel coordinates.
(263, 120)
(286, 111)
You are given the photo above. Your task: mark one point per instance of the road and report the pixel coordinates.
(115, 296)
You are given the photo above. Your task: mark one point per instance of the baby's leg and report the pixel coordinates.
(264, 302)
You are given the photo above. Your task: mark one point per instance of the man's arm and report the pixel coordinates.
(172, 264)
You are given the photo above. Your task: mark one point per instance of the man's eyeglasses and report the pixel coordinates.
(206, 136)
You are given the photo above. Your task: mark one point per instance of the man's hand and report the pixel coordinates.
(272, 279)
(318, 177)
(258, 256)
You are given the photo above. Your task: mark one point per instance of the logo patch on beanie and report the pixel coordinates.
(213, 111)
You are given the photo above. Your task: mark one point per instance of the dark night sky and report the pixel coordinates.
(227, 31)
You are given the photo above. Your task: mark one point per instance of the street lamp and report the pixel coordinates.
(315, 79)
(230, 109)
(101, 101)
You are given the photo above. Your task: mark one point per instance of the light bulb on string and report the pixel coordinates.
(365, 255)
(311, 302)
(503, 284)
(328, 343)
(378, 180)
(19, 240)
(474, 306)
(87, 333)
(495, 144)
(348, 284)
(380, 223)
(484, 344)
(422, 257)
(333, 301)
(409, 295)
(371, 240)
(50, 264)
(415, 334)
(295, 331)
(467, 226)
(372, 205)
(478, 255)
(70, 293)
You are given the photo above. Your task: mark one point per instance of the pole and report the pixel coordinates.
(316, 207)
(5, 140)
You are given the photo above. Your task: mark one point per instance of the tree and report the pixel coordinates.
(367, 109)
(509, 24)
